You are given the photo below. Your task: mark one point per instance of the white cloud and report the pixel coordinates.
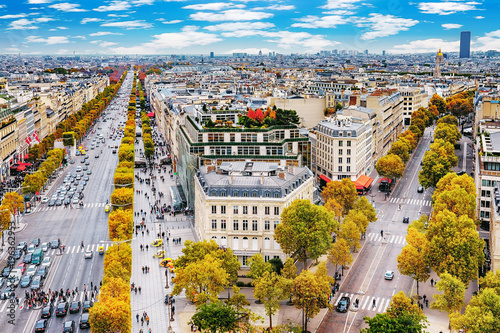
(479, 17)
(80, 37)
(490, 41)
(104, 33)
(213, 6)
(230, 15)
(39, 1)
(129, 25)
(287, 40)
(118, 15)
(103, 43)
(314, 22)
(12, 49)
(62, 28)
(280, 7)
(172, 22)
(3, 6)
(426, 46)
(43, 19)
(62, 51)
(341, 4)
(447, 7)
(67, 7)
(142, 2)
(340, 12)
(384, 25)
(22, 24)
(12, 16)
(90, 19)
(189, 36)
(114, 6)
(449, 26)
(49, 40)
(234, 26)
(250, 50)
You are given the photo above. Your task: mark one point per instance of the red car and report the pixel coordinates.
(22, 267)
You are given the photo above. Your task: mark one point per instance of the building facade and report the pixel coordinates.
(465, 44)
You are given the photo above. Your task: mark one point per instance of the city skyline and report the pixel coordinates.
(199, 27)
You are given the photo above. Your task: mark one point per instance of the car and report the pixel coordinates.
(420, 189)
(86, 178)
(54, 244)
(31, 270)
(114, 151)
(45, 247)
(31, 248)
(84, 321)
(22, 246)
(88, 255)
(18, 254)
(46, 262)
(27, 258)
(52, 202)
(460, 173)
(59, 202)
(75, 201)
(6, 271)
(72, 162)
(96, 156)
(75, 307)
(7, 293)
(37, 283)
(87, 305)
(77, 153)
(67, 201)
(62, 309)
(69, 326)
(89, 172)
(82, 160)
(87, 163)
(36, 242)
(22, 267)
(42, 272)
(26, 281)
(83, 182)
(389, 275)
(41, 325)
(406, 219)
(85, 168)
(343, 304)
(47, 311)
(44, 200)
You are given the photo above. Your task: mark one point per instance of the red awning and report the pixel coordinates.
(26, 156)
(363, 182)
(151, 114)
(325, 178)
(21, 168)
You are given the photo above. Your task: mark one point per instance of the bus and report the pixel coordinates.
(37, 257)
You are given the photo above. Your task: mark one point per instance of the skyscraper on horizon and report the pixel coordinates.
(465, 44)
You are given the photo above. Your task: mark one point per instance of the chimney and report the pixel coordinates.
(230, 179)
(281, 175)
(261, 178)
(291, 169)
(210, 168)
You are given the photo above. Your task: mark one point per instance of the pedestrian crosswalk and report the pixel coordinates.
(78, 249)
(87, 205)
(366, 302)
(79, 296)
(393, 239)
(414, 202)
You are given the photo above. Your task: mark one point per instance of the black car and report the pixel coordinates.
(27, 259)
(343, 304)
(41, 325)
(18, 254)
(62, 309)
(6, 271)
(420, 189)
(75, 307)
(42, 272)
(22, 246)
(69, 326)
(87, 305)
(54, 244)
(84, 321)
(406, 219)
(36, 242)
(47, 311)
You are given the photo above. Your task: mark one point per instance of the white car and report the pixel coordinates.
(45, 247)
(75, 200)
(45, 200)
(46, 262)
(31, 270)
(31, 248)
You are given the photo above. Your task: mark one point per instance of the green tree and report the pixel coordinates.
(289, 272)
(340, 253)
(412, 260)
(454, 246)
(216, 317)
(344, 192)
(350, 232)
(449, 119)
(364, 206)
(400, 149)
(258, 267)
(390, 166)
(13, 202)
(437, 162)
(270, 290)
(457, 194)
(453, 293)
(305, 230)
(238, 299)
(359, 219)
(421, 224)
(447, 132)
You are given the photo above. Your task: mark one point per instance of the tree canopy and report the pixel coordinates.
(390, 166)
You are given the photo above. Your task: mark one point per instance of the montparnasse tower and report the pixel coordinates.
(439, 60)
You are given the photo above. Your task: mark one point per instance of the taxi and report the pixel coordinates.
(159, 254)
(157, 242)
(101, 250)
(167, 263)
(107, 208)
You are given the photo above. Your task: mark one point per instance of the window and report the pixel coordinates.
(348, 152)
(266, 258)
(341, 143)
(348, 143)
(214, 209)
(214, 224)
(267, 195)
(267, 243)
(245, 224)
(254, 225)
(267, 225)
(276, 195)
(223, 241)
(254, 194)
(340, 159)
(485, 193)
(245, 194)
(485, 204)
(244, 259)
(266, 210)
(235, 225)
(276, 211)
(255, 244)
(245, 242)
(215, 239)
(340, 168)
(223, 193)
(348, 160)
(235, 209)
(348, 168)
(223, 209)
(254, 210)
(276, 224)
(235, 194)
(340, 151)
(223, 224)
(236, 243)
(245, 209)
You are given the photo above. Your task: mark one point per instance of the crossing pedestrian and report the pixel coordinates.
(147, 320)
(139, 289)
(142, 321)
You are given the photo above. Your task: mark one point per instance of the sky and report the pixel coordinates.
(163, 27)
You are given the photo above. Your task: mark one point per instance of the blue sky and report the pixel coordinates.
(199, 27)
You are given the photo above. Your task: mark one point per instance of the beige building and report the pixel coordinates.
(239, 204)
(310, 110)
(413, 99)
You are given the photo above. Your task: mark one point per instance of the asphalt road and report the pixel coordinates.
(74, 225)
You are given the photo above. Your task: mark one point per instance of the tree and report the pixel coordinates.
(453, 293)
(216, 317)
(454, 246)
(447, 132)
(359, 219)
(400, 149)
(449, 119)
(412, 260)
(350, 232)
(122, 198)
(457, 194)
(110, 316)
(437, 162)
(305, 230)
(270, 290)
(5, 220)
(203, 280)
(121, 224)
(289, 272)
(459, 107)
(344, 192)
(310, 294)
(258, 267)
(365, 207)
(438, 102)
(238, 299)
(390, 166)
(421, 224)
(13, 202)
(340, 253)
(402, 315)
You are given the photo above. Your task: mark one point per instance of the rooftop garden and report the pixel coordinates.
(259, 119)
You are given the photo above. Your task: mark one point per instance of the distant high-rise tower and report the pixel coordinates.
(439, 60)
(465, 44)
(211, 54)
(260, 53)
(383, 53)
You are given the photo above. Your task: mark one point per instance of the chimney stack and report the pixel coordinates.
(261, 178)
(281, 175)
(230, 179)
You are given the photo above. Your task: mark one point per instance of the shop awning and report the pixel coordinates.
(363, 182)
(151, 114)
(21, 167)
(26, 156)
(325, 178)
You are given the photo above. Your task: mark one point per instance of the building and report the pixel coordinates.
(413, 99)
(343, 148)
(321, 88)
(310, 110)
(212, 54)
(239, 204)
(465, 44)
(439, 61)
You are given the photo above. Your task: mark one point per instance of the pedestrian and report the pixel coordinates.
(147, 247)
(382, 233)
(432, 282)
(148, 268)
(143, 232)
(142, 321)
(142, 269)
(139, 289)
(135, 289)
(374, 302)
(147, 320)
